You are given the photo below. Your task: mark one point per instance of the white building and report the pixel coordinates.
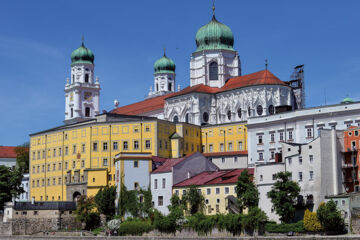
(315, 166)
(265, 134)
(82, 91)
(172, 172)
(24, 197)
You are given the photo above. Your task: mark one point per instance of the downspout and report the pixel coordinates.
(334, 160)
(46, 154)
(62, 164)
(91, 146)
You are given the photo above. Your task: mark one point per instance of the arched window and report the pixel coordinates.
(187, 118)
(205, 117)
(213, 69)
(271, 109)
(229, 115)
(157, 87)
(87, 112)
(249, 111)
(239, 113)
(169, 87)
(86, 78)
(176, 119)
(259, 110)
(71, 112)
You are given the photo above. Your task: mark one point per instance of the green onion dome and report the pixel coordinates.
(82, 55)
(164, 65)
(347, 100)
(213, 36)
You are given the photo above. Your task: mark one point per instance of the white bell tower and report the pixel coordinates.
(82, 92)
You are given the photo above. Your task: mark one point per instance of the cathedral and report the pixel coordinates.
(217, 92)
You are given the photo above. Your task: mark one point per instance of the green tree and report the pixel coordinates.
(136, 202)
(246, 191)
(105, 201)
(10, 181)
(253, 220)
(86, 212)
(283, 196)
(193, 200)
(330, 218)
(22, 157)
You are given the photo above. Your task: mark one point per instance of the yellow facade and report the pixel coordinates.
(214, 196)
(224, 137)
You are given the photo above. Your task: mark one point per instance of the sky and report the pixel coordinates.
(128, 36)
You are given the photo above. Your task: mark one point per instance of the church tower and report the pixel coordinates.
(164, 77)
(81, 91)
(215, 60)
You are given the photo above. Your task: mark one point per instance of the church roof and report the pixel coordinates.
(264, 77)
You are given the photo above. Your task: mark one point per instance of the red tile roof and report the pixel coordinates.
(219, 154)
(214, 177)
(7, 152)
(264, 77)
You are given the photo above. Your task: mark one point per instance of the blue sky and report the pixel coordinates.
(37, 38)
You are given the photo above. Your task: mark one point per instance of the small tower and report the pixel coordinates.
(164, 77)
(81, 92)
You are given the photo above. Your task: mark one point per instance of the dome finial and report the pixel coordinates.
(266, 64)
(82, 40)
(213, 7)
(164, 52)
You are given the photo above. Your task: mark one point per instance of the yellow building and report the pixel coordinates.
(77, 159)
(217, 187)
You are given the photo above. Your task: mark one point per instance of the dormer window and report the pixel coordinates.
(87, 112)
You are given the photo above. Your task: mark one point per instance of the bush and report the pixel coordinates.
(254, 219)
(285, 227)
(232, 223)
(134, 228)
(330, 218)
(202, 224)
(311, 222)
(96, 231)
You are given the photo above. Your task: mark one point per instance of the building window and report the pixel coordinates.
(260, 139)
(271, 109)
(59, 152)
(240, 145)
(311, 158)
(208, 191)
(223, 160)
(309, 132)
(300, 176)
(147, 144)
(274, 177)
(66, 150)
(261, 178)
(160, 144)
(136, 144)
(290, 135)
(136, 163)
(48, 168)
(272, 155)
(87, 112)
(261, 156)
(311, 175)
(235, 159)
(229, 115)
(163, 183)
(54, 167)
(54, 152)
(226, 190)
(59, 181)
(71, 112)
(160, 200)
(115, 145)
(176, 119)
(187, 118)
(66, 165)
(259, 110)
(230, 146)
(169, 86)
(82, 163)
(281, 136)
(217, 190)
(155, 183)
(136, 185)
(205, 117)
(74, 149)
(272, 137)
(74, 164)
(95, 146)
(105, 146)
(290, 160)
(300, 160)
(211, 148)
(221, 147)
(213, 70)
(105, 162)
(86, 78)
(147, 129)
(125, 145)
(83, 148)
(249, 111)
(38, 154)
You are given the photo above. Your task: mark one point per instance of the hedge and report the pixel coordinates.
(135, 227)
(285, 227)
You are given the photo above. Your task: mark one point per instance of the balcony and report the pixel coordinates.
(350, 180)
(350, 150)
(349, 165)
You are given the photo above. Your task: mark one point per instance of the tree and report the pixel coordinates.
(246, 191)
(330, 218)
(105, 201)
(311, 222)
(253, 220)
(22, 157)
(86, 212)
(136, 202)
(283, 195)
(10, 181)
(194, 200)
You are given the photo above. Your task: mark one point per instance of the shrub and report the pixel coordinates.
(232, 223)
(164, 224)
(330, 218)
(96, 231)
(285, 227)
(134, 227)
(311, 222)
(254, 219)
(202, 224)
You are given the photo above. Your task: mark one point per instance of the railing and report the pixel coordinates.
(349, 165)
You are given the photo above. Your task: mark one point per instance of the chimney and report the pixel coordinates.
(33, 200)
(188, 175)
